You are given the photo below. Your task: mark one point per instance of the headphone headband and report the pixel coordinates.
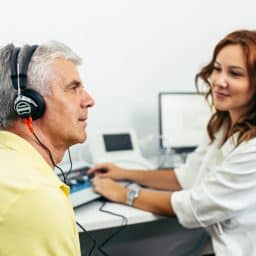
(25, 63)
(13, 66)
(28, 53)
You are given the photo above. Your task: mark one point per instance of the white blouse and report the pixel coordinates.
(219, 194)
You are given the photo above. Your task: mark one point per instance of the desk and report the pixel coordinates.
(145, 234)
(101, 225)
(91, 218)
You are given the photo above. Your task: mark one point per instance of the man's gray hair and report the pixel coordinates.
(39, 77)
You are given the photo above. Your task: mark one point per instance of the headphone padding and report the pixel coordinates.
(38, 111)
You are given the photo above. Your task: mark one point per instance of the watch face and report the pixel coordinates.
(132, 194)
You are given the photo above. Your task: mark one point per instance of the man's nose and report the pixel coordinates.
(87, 100)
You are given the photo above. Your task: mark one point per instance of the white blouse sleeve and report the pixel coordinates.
(187, 172)
(224, 193)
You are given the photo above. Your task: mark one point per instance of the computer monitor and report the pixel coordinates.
(183, 120)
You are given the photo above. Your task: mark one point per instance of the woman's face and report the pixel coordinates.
(231, 89)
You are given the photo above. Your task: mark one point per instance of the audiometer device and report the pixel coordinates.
(81, 190)
(118, 147)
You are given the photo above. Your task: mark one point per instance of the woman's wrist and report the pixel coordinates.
(123, 195)
(124, 174)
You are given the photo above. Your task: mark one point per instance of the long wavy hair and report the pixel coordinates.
(246, 124)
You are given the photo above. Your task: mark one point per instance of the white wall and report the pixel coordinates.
(131, 49)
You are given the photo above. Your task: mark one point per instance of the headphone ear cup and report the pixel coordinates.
(33, 100)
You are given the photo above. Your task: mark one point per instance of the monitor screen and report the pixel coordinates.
(183, 119)
(116, 142)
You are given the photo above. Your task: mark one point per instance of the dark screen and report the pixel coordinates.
(116, 142)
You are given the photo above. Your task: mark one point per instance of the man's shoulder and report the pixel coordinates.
(42, 214)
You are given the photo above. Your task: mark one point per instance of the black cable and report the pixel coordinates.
(87, 233)
(78, 224)
(51, 157)
(65, 181)
(71, 165)
(115, 233)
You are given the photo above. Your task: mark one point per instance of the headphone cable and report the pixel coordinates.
(65, 181)
(71, 164)
(28, 122)
(51, 157)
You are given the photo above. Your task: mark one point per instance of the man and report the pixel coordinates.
(43, 111)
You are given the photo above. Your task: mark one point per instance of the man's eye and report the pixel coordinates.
(75, 87)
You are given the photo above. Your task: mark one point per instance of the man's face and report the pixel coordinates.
(66, 114)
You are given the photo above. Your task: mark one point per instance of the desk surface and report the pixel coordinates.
(91, 218)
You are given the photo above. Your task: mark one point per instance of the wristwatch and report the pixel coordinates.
(132, 194)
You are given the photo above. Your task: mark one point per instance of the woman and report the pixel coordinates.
(216, 187)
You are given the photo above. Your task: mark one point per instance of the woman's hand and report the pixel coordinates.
(107, 170)
(110, 189)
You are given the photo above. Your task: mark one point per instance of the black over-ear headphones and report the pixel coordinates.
(28, 102)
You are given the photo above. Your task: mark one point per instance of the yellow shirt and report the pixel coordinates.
(36, 216)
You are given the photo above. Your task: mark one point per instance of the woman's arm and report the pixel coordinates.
(157, 179)
(157, 202)
(226, 190)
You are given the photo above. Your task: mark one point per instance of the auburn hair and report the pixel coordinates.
(246, 124)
